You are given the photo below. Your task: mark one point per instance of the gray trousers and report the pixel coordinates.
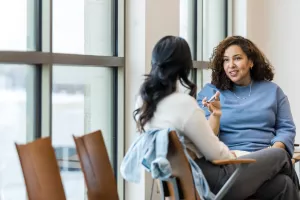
(271, 177)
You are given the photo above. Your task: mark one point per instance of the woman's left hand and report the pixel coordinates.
(278, 145)
(215, 106)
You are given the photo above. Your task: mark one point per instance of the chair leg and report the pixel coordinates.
(164, 191)
(231, 180)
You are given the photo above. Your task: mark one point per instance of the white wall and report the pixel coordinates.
(274, 27)
(134, 68)
(146, 22)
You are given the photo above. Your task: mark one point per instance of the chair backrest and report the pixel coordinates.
(181, 170)
(40, 170)
(95, 164)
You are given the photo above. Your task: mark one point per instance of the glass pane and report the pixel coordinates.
(86, 29)
(17, 20)
(183, 32)
(16, 125)
(214, 25)
(81, 103)
(187, 22)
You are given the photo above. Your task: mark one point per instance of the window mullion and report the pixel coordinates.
(46, 74)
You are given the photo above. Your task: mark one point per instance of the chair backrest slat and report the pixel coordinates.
(95, 164)
(40, 170)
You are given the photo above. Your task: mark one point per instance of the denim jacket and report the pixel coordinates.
(150, 150)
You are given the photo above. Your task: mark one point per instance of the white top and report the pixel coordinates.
(181, 112)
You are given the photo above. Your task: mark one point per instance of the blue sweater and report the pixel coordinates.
(256, 122)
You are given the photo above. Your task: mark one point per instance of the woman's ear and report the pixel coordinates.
(251, 64)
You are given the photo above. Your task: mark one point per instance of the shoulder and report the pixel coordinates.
(173, 100)
(179, 104)
(207, 91)
(272, 89)
(209, 86)
(180, 99)
(138, 102)
(269, 86)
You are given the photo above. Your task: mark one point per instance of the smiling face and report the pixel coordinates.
(237, 65)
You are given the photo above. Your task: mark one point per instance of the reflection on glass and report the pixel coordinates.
(85, 29)
(81, 103)
(16, 105)
(17, 25)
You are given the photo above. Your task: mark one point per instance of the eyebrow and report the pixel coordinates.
(233, 55)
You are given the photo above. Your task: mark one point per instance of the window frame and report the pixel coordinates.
(199, 63)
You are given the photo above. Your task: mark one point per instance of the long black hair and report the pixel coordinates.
(171, 61)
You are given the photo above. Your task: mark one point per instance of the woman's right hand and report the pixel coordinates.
(215, 106)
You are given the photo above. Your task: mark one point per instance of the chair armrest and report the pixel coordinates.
(296, 158)
(233, 161)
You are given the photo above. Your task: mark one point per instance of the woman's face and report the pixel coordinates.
(237, 65)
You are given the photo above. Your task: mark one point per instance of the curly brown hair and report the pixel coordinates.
(261, 70)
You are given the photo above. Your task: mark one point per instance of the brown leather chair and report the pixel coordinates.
(181, 185)
(95, 164)
(40, 170)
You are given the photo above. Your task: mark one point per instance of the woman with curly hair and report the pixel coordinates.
(255, 112)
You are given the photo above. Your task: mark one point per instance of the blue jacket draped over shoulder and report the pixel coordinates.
(150, 150)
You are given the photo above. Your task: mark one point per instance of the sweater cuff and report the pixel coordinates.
(288, 147)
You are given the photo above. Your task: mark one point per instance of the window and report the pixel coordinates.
(86, 29)
(214, 28)
(82, 102)
(17, 22)
(204, 23)
(187, 22)
(17, 93)
(16, 124)
(61, 74)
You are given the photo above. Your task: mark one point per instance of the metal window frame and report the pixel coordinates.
(42, 58)
(198, 63)
(120, 91)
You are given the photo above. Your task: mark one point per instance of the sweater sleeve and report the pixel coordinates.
(208, 91)
(285, 129)
(197, 129)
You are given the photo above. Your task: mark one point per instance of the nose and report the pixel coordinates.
(231, 63)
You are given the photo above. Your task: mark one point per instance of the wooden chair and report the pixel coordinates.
(181, 185)
(95, 164)
(40, 170)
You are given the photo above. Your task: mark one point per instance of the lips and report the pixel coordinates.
(233, 73)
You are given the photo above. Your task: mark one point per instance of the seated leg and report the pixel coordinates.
(281, 187)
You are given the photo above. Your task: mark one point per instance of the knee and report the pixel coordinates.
(279, 152)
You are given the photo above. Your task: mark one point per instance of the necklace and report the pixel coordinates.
(248, 94)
